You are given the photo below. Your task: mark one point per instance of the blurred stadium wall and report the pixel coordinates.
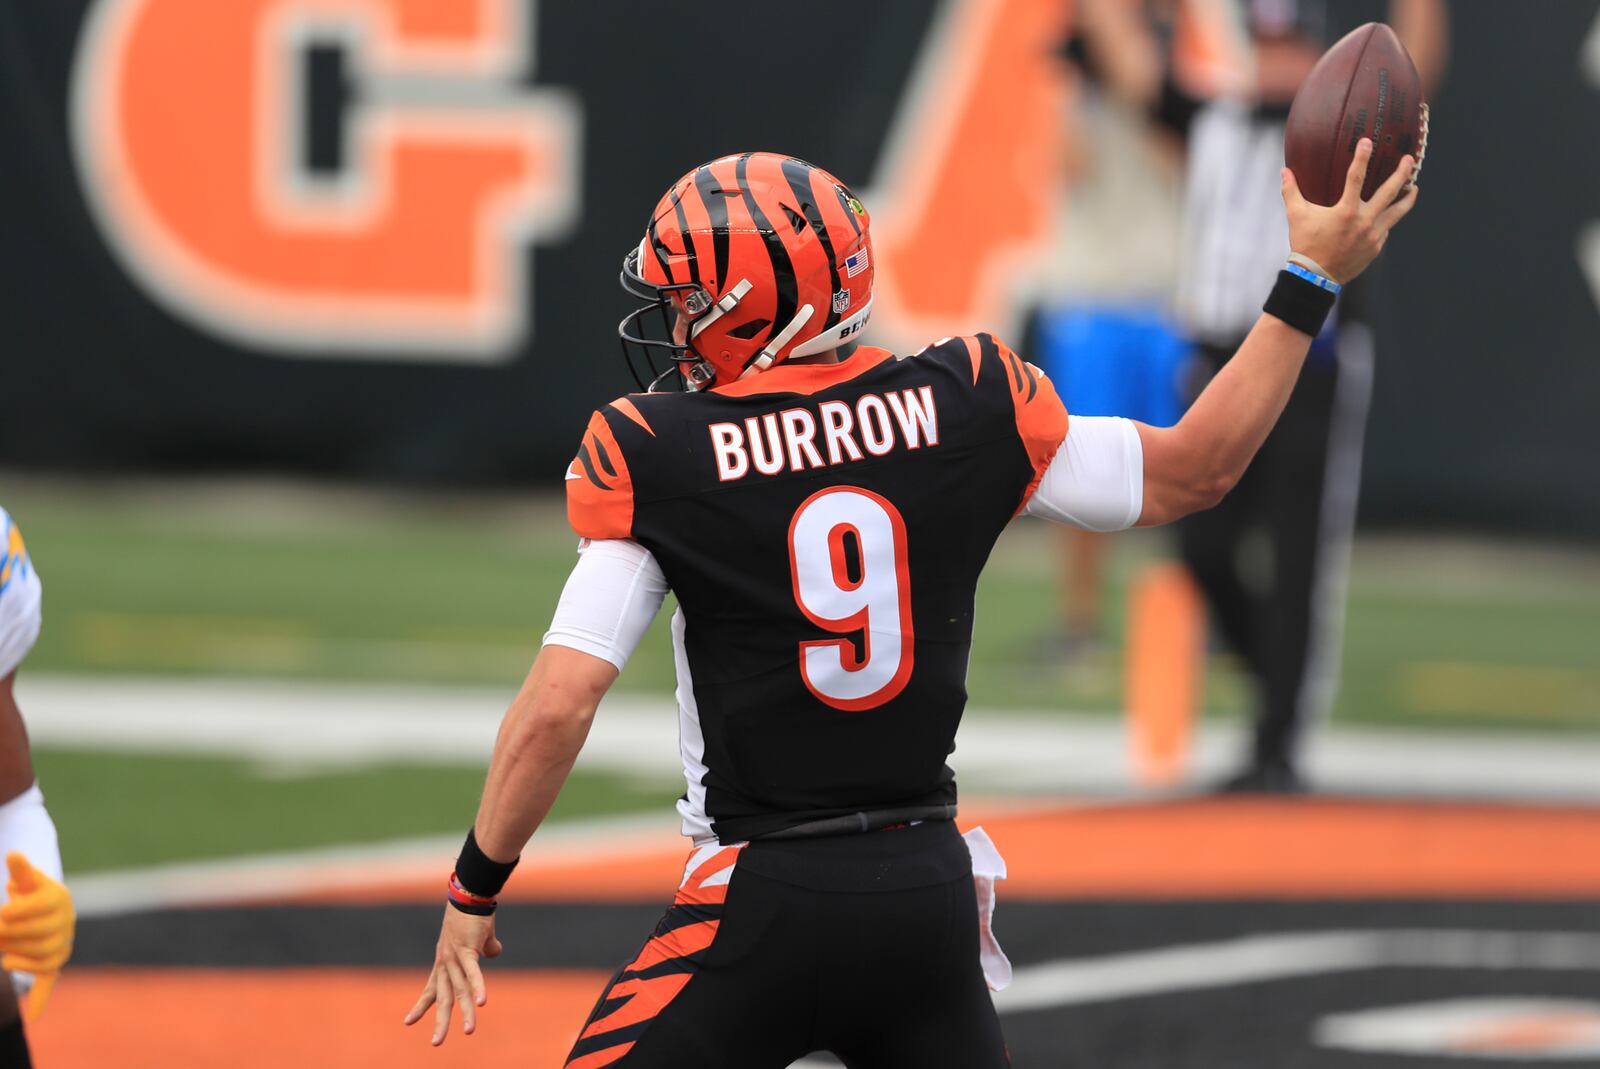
(379, 238)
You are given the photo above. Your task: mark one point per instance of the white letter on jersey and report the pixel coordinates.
(799, 428)
(876, 434)
(727, 441)
(837, 422)
(915, 412)
(766, 446)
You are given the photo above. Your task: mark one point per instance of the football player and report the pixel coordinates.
(36, 921)
(821, 510)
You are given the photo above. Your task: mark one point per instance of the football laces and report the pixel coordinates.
(1422, 146)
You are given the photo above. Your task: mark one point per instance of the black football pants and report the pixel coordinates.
(1270, 559)
(883, 979)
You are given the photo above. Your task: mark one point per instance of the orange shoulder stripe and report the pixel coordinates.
(599, 487)
(1040, 415)
(631, 410)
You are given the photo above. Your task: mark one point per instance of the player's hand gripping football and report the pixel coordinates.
(36, 927)
(1345, 238)
(456, 977)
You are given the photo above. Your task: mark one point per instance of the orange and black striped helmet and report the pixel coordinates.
(759, 257)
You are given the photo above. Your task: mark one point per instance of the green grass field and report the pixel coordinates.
(114, 810)
(322, 583)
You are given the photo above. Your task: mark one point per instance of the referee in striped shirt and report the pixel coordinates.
(1270, 559)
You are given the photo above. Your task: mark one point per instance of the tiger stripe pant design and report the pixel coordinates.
(645, 986)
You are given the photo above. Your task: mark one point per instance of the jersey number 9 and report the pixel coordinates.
(847, 557)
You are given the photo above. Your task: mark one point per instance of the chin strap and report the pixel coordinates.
(763, 359)
(725, 304)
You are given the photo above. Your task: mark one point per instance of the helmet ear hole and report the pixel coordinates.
(746, 331)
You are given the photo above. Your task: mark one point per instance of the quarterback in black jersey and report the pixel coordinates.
(822, 510)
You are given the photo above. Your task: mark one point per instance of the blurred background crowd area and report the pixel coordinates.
(306, 305)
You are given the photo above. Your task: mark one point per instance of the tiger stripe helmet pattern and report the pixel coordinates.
(760, 257)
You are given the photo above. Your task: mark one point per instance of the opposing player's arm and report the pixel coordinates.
(16, 765)
(37, 920)
(1190, 466)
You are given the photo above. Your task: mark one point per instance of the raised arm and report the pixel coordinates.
(1423, 26)
(1123, 49)
(1190, 466)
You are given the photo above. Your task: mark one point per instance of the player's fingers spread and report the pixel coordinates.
(474, 975)
(1356, 177)
(1291, 189)
(1398, 210)
(463, 995)
(423, 1002)
(1385, 194)
(442, 1005)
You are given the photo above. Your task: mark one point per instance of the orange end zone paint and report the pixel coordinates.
(244, 1019)
(1200, 848)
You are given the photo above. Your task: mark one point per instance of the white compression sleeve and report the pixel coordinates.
(1096, 480)
(610, 598)
(25, 825)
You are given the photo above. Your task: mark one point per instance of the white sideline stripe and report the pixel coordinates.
(1468, 1028)
(299, 726)
(1256, 958)
(332, 868)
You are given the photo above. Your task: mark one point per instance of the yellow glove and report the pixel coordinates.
(36, 927)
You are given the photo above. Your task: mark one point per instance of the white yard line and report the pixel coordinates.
(1281, 956)
(336, 868)
(303, 725)
(1275, 956)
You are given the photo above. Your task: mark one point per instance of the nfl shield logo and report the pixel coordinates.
(856, 264)
(841, 302)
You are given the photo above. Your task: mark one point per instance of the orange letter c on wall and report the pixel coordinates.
(188, 121)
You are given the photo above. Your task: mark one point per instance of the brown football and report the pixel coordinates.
(1364, 86)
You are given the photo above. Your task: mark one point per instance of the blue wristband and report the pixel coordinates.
(1319, 281)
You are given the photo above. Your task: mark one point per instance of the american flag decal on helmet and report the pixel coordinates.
(854, 265)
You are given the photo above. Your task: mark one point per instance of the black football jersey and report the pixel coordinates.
(823, 527)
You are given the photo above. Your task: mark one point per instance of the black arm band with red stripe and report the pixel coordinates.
(464, 900)
(480, 874)
(1301, 304)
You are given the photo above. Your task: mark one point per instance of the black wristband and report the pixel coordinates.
(474, 908)
(1301, 304)
(480, 874)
